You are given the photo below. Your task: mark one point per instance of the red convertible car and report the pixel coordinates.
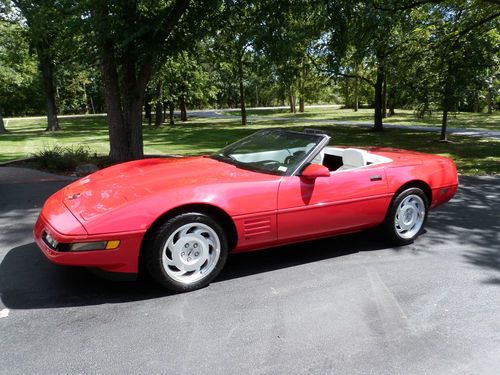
(181, 217)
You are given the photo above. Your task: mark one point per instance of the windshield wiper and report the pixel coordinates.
(227, 156)
(222, 156)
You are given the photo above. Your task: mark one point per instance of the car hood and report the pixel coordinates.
(121, 184)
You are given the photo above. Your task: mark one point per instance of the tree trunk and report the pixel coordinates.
(147, 107)
(182, 105)
(301, 89)
(444, 124)
(171, 112)
(392, 111)
(446, 103)
(165, 106)
(446, 108)
(301, 96)
(356, 93)
(147, 111)
(47, 70)
(2, 125)
(346, 93)
(378, 125)
(124, 112)
(159, 105)
(92, 104)
(242, 91)
(384, 97)
(293, 104)
(477, 108)
(489, 99)
(85, 99)
(118, 134)
(133, 121)
(391, 102)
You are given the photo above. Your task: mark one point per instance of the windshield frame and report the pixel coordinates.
(323, 140)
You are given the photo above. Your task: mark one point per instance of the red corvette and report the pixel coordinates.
(182, 216)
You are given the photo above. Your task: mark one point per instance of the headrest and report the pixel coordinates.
(354, 157)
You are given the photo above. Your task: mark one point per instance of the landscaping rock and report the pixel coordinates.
(85, 169)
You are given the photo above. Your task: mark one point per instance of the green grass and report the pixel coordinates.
(463, 120)
(200, 136)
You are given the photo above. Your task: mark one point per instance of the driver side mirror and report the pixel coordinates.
(314, 171)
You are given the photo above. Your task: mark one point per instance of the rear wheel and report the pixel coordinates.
(406, 216)
(187, 252)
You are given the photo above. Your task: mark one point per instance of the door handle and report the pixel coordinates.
(376, 177)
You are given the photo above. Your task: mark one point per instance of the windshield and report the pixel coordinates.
(272, 151)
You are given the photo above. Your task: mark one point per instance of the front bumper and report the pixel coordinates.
(124, 259)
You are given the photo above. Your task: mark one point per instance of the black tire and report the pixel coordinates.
(389, 226)
(156, 246)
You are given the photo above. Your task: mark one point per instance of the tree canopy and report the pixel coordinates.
(126, 57)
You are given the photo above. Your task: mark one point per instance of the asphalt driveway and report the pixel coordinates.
(348, 305)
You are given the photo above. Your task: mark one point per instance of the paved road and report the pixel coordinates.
(349, 305)
(211, 113)
(481, 133)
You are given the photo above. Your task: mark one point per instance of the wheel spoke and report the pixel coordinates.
(199, 231)
(184, 231)
(168, 261)
(210, 243)
(414, 205)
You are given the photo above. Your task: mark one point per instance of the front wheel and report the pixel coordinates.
(187, 252)
(406, 216)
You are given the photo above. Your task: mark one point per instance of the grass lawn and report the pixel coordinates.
(204, 135)
(402, 117)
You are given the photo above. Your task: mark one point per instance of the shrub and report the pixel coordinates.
(59, 158)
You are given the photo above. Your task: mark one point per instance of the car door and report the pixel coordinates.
(345, 201)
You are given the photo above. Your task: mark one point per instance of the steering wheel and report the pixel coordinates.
(269, 164)
(294, 157)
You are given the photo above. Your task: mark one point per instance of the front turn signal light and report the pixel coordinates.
(112, 244)
(89, 246)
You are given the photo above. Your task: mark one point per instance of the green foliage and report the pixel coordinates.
(447, 62)
(63, 158)
(430, 55)
(18, 71)
(186, 74)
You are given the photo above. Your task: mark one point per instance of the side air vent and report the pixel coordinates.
(258, 227)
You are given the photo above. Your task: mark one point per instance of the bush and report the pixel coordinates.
(59, 158)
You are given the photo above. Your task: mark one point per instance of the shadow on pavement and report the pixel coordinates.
(29, 281)
(472, 218)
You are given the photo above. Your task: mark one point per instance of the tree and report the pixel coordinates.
(130, 38)
(364, 33)
(44, 19)
(464, 47)
(235, 41)
(17, 65)
(286, 32)
(185, 78)
(451, 51)
(78, 87)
